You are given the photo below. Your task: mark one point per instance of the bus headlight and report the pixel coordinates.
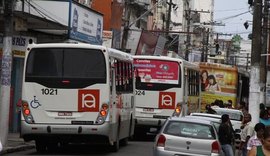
(100, 120)
(29, 119)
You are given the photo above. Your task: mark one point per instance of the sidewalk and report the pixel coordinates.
(15, 143)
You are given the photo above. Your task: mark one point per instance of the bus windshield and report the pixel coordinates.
(156, 74)
(50, 66)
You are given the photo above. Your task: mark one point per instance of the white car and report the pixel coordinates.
(186, 136)
(236, 116)
(236, 123)
(216, 119)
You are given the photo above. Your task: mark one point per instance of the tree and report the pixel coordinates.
(236, 41)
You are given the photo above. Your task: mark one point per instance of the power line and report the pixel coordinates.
(233, 16)
(229, 10)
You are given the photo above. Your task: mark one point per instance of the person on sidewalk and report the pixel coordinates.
(247, 132)
(255, 140)
(225, 135)
(264, 149)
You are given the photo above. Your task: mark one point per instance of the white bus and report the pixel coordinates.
(77, 93)
(165, 86)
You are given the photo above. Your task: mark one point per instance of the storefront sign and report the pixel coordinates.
(86, 25)
(19, 45)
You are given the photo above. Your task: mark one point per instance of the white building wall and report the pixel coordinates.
(177, 15)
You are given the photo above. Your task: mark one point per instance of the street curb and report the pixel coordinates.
(16, 149)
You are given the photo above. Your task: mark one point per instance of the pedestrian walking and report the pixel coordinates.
(243, 107)
(264, 118)
(247, 132)
(209, 110)
(264, 149)
(225, 135)
(255, 140)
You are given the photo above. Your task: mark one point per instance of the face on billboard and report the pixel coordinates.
(157, 71)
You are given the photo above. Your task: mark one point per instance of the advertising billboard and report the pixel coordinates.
(85, 25)
(157, 71)
(218, 82)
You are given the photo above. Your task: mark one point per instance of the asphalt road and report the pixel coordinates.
(134, 148)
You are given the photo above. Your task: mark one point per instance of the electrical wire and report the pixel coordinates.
(233, 16)
(229, 10)
(41, 13)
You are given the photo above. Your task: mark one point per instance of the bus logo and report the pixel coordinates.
(166, 100)
(88, 101)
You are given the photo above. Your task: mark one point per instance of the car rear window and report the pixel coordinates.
(189, 129)
(233, 115)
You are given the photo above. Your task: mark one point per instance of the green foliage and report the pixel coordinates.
(236, 40)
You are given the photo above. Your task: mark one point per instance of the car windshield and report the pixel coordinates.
(189, 129)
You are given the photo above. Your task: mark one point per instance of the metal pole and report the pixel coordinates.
(6, 71)
(263, 70)
(188, 35)
(168, 21)
(254, 90)
(203, 46)
(126, 26)
(207, 43)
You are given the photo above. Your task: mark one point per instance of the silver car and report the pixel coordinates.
(187, 137)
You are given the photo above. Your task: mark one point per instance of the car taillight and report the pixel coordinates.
(161, 141)
(215, 147)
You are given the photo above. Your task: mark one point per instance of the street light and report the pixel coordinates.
(246, 24)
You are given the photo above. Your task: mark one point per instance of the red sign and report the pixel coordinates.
(157, 71)
(166, 100)
(88, 100)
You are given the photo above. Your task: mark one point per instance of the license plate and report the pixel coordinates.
(64, 113)
(148, 109)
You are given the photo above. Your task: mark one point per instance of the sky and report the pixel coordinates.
(225, 10)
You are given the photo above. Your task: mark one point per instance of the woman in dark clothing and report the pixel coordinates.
(225, 134)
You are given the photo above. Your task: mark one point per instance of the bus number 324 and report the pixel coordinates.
(140, 92)
(47, 91)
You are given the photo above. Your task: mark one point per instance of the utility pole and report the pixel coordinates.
(6, 70)
(126, 26)
(263, 69)
(254, 90)
(188, 17)
(169, 18)
(205, 43)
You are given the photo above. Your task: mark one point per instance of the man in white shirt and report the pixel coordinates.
(247, 132)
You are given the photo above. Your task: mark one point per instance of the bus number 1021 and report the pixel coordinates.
(47, 91)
